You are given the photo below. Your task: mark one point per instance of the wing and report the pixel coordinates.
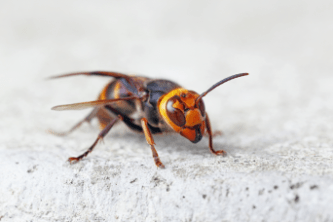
(116, 75)
(128, 81)
(85, 105)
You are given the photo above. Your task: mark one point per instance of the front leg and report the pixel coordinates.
(151, 142)
(209, 131)
(216, 133)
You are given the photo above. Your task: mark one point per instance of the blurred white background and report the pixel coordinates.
(284, 45)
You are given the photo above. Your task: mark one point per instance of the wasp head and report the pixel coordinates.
(184, 113)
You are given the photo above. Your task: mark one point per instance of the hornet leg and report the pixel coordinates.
(216, 133)
(151, 142)
(100, 136)
(209, 131)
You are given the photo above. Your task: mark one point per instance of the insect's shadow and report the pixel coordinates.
(174, 143)
(169, 142)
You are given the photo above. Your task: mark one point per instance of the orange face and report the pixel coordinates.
(181, 112)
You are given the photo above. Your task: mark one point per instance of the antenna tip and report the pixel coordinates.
(51, 77)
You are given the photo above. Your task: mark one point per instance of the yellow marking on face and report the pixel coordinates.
(178, 105)
(193, 117)
(162, 107)
(189, 99)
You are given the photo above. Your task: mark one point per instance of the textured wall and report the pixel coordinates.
(276, 123)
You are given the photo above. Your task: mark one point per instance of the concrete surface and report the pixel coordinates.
(276, 123)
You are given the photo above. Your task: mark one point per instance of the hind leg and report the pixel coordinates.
(87, 119)
(99, 137)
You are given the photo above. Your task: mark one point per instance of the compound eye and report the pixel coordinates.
(176, 115)
(201, 107)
